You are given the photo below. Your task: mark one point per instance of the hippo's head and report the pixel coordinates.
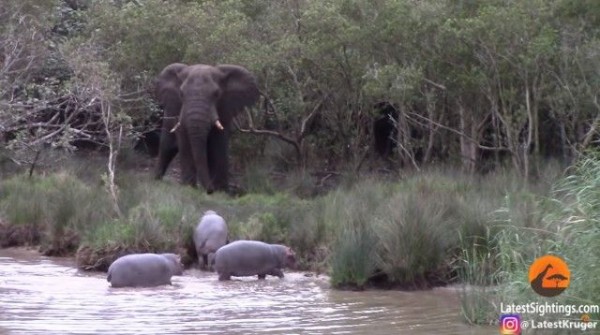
(290, 258)
(175, 261)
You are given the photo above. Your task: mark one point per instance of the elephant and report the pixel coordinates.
(144, 270)
(210, 234)
(249, 258)
(199, 103)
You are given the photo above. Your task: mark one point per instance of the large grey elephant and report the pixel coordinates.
(199, 103)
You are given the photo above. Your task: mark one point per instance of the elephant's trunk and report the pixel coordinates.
(199, 120)
(201, 109)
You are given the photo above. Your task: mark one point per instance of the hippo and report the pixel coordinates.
(144, 270)
(249, 258)
(209, 236)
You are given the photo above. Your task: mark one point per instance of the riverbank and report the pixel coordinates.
(427, 229)
(373, 232)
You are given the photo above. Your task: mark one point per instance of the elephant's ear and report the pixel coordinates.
(168, 78)
(239, 90)
(171, 74)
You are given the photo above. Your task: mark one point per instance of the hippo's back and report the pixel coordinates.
(140, 270)
(245, 258)
(210, 234)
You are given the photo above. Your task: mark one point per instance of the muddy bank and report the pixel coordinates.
(18, 235)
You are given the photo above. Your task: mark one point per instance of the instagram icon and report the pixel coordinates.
(510, 324)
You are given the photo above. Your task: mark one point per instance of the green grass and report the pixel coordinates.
(352, 256)
(410, 232)
(564, 220)
(57, 205)
(156, 215)
(432, 227)
(476, 268)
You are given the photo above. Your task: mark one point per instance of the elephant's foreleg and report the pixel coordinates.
(186, 159)
(166, 152)
(218, 159)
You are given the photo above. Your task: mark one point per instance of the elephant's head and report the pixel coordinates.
(200, 92)
(209, 97)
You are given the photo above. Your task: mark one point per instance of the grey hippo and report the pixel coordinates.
(253, 258)
(144, 270)
(210, 234)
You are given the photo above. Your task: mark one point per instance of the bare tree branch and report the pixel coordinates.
(459, 133)
(310, 116)
(252, 130)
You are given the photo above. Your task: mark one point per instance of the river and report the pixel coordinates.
(42, 295)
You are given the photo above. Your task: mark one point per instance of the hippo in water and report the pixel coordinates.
(250, 258)
(144, 270)
(209, 236)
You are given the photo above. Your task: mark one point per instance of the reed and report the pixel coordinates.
(563, 220)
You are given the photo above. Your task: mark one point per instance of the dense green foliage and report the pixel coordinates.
(478, 82)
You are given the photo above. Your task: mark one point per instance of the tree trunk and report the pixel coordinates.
(468, 149)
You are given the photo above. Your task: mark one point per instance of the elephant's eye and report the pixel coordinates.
(216, 94)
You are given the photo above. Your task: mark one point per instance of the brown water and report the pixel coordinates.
(40, 295)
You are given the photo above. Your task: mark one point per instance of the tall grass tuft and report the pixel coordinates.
(578, 221)
(563, 220)
(56, 206)
(348, 217)
(310, 237)
(414, 230)
(476, 267)
(414, 235)
(23, 201)
(352, 262)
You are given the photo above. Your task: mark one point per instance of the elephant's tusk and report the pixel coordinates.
(175, 127)
(219, 125)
